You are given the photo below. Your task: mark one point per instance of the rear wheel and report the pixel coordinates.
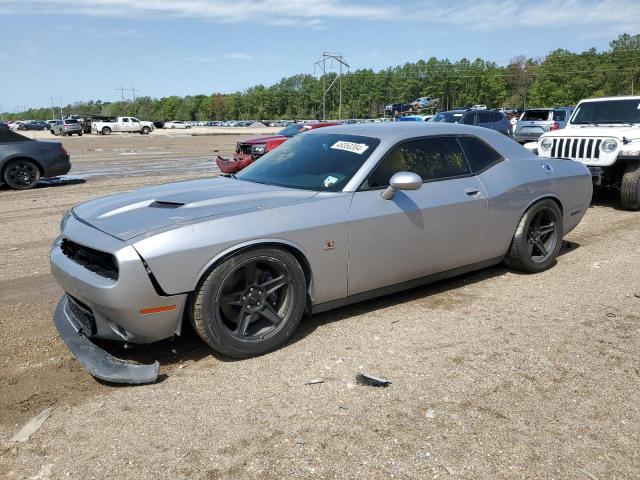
(251, 303)
(537, 239)
(630, 189)
(21, 174)
(106, 131)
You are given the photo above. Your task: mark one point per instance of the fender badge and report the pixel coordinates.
(329, 245)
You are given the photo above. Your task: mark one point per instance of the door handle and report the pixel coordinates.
(471, 191)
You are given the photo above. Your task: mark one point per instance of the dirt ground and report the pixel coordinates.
(495, 374)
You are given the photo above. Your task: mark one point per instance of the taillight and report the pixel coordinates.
(555, 126)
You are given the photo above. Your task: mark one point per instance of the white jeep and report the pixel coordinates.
(604, 134)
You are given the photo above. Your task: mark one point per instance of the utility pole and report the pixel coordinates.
(53, 113)
(322, 65)
(133, 90)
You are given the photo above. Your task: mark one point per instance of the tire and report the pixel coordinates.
(21, 174)
(105, 131)
(237, 315)
(52, 132)
(79, 134)
(537, 239)
(145, 131)
(630, 188)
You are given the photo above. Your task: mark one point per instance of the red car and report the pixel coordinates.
(253, 148)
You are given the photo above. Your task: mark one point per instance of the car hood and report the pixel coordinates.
(264, 139)
(128, 215)
(615, 131)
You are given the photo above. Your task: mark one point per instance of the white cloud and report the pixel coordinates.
(596, 16)
(305, 13)
(238, 56)
(615, 15)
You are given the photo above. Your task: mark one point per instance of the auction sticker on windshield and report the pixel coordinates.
(352, 147)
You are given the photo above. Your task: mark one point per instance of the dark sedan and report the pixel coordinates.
(23, 161)
(34, 126)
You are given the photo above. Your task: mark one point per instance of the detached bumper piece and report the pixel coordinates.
(96, 361)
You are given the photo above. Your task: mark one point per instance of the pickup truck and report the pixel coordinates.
(123, 124)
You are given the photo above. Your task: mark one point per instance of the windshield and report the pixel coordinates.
(291, 130)
(322, 162)
(447, 117)
(609, 111)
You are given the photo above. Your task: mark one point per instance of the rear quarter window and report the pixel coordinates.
(479, 155)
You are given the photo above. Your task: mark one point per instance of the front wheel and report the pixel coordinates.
(630, 188)
(538, 238)
(21, 174)
(251, 303)
(146, 130)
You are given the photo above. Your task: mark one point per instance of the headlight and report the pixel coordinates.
(65, 218)
(609, 145)
(545, 144)
(258, 149)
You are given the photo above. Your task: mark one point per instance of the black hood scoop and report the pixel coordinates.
(164, 204)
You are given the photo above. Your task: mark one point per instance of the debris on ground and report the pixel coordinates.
(372, 380)
(32, 426)
(299, 441)
(450, 470)
(430, 413)
(314, 381)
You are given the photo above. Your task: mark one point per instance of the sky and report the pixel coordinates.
(85, 50)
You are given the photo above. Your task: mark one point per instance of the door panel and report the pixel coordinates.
(415, 234)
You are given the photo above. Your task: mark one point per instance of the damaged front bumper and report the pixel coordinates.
(95, 360)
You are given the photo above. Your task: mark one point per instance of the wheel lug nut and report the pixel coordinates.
(244, 298)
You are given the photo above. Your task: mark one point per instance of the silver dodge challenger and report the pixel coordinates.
(334, 216)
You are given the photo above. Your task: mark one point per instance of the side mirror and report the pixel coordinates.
(402, 181)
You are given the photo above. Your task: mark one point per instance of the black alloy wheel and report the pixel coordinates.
(538, 238)
(251, 303)
(21, 174)
(254, 299)
(542, 235)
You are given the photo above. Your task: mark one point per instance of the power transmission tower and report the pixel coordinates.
(330, 57)
(121, 90)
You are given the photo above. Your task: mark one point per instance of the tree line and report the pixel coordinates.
(560, 78)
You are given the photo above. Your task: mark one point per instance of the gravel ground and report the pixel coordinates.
(495, 374)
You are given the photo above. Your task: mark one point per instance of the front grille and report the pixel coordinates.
(243, 148)
(101, 263)
(576, 148)
(82, 314)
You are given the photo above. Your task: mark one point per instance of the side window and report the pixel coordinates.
(125, 120)
(468, 118)
(432, 158)
(496, 116)
(559, 115)
(484, 117)
(478, 153)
